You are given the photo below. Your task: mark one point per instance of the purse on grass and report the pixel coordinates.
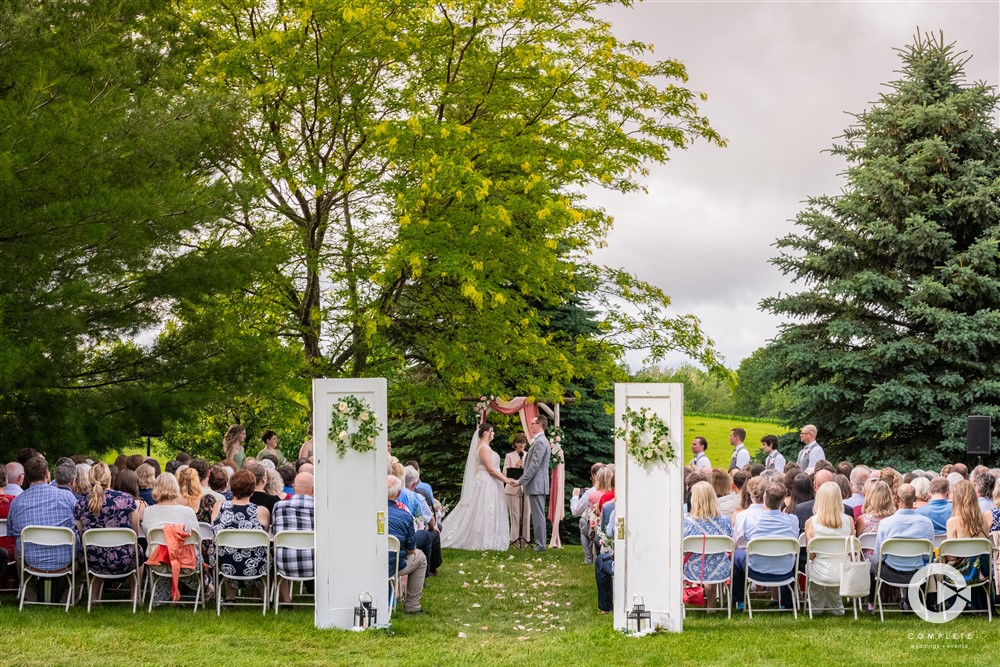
(694, 595)
(855, 578)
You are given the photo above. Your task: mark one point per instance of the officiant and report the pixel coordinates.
(516, 504)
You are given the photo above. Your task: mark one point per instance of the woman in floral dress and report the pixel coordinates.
(106, 508)
(705, 519)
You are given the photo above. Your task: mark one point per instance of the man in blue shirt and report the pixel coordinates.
(905, 523)
(411, 561)
(42, 505)
(771, 522)
(938, 510)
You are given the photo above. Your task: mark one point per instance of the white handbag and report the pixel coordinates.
(855, 576)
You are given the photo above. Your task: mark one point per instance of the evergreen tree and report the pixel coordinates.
(899, 332)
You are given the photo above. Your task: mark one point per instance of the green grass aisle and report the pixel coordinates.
(507, 608)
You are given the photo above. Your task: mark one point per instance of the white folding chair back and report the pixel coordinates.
(970, 548)
(709, 545)
(868, 541)
(832, 551)
(394, 547)
(774, 546)
(107, 538)
(3, 527)
(905, 548)
(242, 539)
(802, 540)
(206, 531)
(48, 536)
(296, 540)
(155, 538)
(939, 538)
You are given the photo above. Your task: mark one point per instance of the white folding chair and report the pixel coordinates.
(106, 538)
(206, 531)
(939, 538)
(831, 551)
(868, 541)
(902, 547)
(242, 539)
(772, 547)
(708, 545)
(995, 559)
(295, 540)
(394, 547)
(156, 538)
(970, 548)
(48, 537)
(802, 540)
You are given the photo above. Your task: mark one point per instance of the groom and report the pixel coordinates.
(535, 479)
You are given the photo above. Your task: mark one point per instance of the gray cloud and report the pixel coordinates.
(782, 79)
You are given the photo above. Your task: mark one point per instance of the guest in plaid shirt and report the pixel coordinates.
(41, 505)
(296, 513)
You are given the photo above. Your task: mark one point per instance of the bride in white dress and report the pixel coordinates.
(479, 522)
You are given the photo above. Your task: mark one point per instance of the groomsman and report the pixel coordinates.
(775, 461)
(698, 447)
(741, 456)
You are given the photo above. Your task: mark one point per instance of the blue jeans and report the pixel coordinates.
(740, 578)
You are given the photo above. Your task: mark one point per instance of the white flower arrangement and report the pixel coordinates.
(647, 438)
(362, 439)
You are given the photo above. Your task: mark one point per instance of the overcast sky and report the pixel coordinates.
(781, 78)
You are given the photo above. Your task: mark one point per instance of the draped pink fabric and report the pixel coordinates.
(526, 410)
(557, 493)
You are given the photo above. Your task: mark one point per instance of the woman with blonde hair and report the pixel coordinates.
(879, 503)
(191, 491)
(705, 519)
(828, 520)
(968, 521)
(103, 507)
(232, 443)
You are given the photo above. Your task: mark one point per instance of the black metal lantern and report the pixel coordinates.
(365, 614)
(638, 619)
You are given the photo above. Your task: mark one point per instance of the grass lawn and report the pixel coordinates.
(484, 609)
(716, 431)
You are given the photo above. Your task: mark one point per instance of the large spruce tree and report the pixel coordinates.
(898, 331)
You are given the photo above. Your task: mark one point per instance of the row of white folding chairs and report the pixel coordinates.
(834, 548)
(52, 536)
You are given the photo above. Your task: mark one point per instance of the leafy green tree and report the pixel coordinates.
(898, 337)
(703, 391)
(422, 167)
(107, 194)
(758, 392)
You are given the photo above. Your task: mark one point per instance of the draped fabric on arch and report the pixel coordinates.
(527, 411)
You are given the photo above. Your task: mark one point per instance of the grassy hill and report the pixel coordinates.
(715, 429)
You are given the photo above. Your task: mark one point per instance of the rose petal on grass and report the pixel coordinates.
(461, 635)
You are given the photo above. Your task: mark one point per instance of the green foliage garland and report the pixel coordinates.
(637, 426)
(353, 409)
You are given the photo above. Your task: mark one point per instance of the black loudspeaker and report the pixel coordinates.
(978, 438)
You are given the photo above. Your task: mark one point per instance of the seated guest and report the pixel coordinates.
(412, 562)
(706, 519)
(128, 482)
(218, 481)
(985, 481)
(428, 534)
(190, 485)
(938, 509)
(922, 487)
(170, 507)
(828, 520)
(771, 522)
(146, 476)
(905, 523)
(296, 513)
(65, 477)
(755, 489)
(6, 542)
(240, 512)
(805, 510)
(968, 521)
(728, 501)
(42, 505)
(202, 468)
(106, 508)
(800, 491)
(15, 479)
(423, 487)
(275, 485)
(260, 497)
(287, 473)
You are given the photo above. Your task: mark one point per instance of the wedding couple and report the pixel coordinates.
(480, 521)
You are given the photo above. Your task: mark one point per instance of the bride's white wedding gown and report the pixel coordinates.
(479, 522)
